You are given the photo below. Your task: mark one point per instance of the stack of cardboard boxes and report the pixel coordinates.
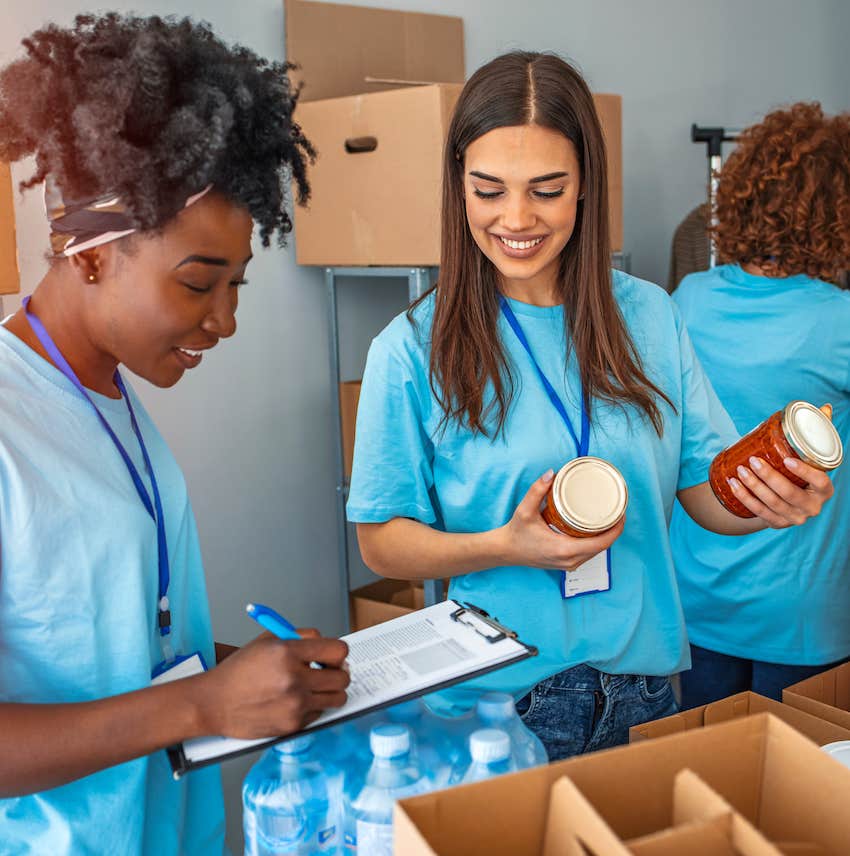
(10, 282)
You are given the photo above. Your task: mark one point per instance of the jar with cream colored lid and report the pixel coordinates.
(800, 430)
(587, 497)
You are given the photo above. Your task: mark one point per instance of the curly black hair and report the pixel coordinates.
(155, 109)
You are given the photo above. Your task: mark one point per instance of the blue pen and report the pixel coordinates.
(272, 621)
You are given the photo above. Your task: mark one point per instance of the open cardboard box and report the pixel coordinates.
(384, 600)
(826, 695)
(376, 103)
(742, 704)
(10, 280)
(778, 780)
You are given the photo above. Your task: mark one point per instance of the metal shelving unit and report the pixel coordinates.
(419, 280)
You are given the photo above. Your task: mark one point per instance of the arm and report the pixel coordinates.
(265, 689)
(407, 549)
(777, 502)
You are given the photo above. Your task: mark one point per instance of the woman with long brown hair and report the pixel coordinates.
(528, 353)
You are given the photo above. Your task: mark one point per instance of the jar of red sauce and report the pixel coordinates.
(800, 430)
(587, 497)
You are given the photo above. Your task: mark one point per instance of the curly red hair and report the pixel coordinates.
(783, 202)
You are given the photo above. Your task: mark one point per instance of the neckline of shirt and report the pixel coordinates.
(533, 311)
(736, 274)
(35, 362)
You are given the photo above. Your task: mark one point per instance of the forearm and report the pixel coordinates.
(705, 509)
(407, 549)
(46, 745)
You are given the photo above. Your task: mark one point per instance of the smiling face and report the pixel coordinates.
(174, 294)
(521, 185)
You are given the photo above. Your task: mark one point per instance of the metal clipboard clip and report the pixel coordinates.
(474, 617)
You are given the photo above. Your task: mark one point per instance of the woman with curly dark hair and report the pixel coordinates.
(160, 148)
(771, 325)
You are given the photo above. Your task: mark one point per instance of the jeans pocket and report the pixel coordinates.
(653, 687)
(531, 700)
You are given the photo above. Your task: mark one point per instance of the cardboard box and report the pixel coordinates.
(778, 780)
(349, 396)
(826, 695)
(10, 279)
(742, 704)
(383, 600)
(376, 185)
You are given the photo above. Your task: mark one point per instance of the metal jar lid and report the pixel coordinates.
(590, 494)
(812, 435)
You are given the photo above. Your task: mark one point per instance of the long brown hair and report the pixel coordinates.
(521, 88)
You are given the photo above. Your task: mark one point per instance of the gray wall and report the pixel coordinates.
(251, 427)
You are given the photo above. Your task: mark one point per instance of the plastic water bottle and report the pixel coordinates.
(497, 710)
(292, 803)
(490, 749)
(393, 774)
(431, 744)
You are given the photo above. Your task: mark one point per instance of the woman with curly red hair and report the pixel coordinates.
(769, 326)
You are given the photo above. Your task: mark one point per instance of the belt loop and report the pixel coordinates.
(604, 680)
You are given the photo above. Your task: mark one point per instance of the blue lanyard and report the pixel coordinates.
(153, 508)
(582, 444)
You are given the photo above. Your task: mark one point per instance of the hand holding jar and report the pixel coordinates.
(571, 541)
(777, 472)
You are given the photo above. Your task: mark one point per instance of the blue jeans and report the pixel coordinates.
(713, 676)
(582, 709)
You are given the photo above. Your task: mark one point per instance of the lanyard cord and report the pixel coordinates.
(582, 443)
(154, 509)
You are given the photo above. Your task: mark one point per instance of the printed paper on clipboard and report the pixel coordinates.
(401, 659)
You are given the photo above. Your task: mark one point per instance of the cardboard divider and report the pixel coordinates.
(772, 776)
(814, 727)
(10, 279)
(826, 695)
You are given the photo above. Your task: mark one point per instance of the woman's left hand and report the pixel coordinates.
(777, 500)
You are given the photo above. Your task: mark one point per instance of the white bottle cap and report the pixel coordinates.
(389, 741)
(495, 706)
(488, 745)
(295, 746)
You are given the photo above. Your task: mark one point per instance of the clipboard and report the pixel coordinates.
(433, 636)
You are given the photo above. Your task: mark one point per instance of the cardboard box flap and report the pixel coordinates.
(694, 800)
(798, 848)
(826, 695)
(369, 43)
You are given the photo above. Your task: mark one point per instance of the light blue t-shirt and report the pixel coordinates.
(782, 596)
(405, 467)
(78, 593)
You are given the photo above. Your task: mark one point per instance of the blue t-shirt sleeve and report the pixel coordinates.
(706, 426)
(392, 473)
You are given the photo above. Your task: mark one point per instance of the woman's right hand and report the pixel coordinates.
(268, 688)
(529, 541)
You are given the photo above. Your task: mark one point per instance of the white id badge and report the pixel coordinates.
(594, 575)
(181, 667)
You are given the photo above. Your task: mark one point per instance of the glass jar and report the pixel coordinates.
(587, 497)
(800, 430)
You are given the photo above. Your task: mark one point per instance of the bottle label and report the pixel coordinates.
(327, 839)
(376, 839)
